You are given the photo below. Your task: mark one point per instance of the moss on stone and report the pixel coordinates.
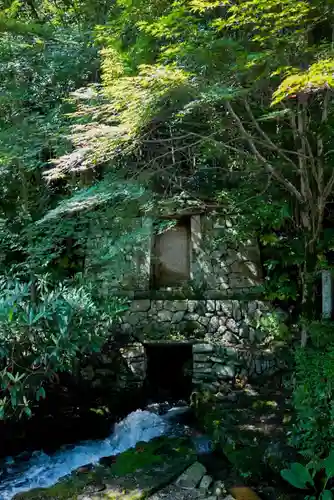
(131, 475)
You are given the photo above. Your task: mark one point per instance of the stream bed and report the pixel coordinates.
(23, 473)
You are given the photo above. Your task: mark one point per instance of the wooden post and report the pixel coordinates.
(326, 289)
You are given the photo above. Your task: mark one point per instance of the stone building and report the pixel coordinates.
(189, 283)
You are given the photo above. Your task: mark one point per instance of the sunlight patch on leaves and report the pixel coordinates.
(320, 76)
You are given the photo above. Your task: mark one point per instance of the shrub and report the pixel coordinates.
(39, 338)
(313, 432)
(304, 477)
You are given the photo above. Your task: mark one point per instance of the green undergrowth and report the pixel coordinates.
(250, 430)
(131, 475)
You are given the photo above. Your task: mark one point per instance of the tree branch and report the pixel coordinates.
(267, 139)
(270, 169)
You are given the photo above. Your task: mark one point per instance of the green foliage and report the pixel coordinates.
(40, 339)
(318, 77)
(274, 327)
(298, 475)
(313, 393)
(57, 232)
(304, 477)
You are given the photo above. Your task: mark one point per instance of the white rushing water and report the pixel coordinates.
(44, 470)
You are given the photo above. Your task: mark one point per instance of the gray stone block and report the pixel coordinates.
(214, 324)
(165, 315)
(224, 371)
(132, 319)
(180, 305)
(202, 371)
(141, 305)
(191, 317)
(201, 357)
(226, 307)
(192, 476)
(177, 317)
(244, 331)
(202, 348)
(192, 305)
(203, 320)
(205, 484)
(169, 305)
(230, 338)
(216, 359)
(231, 325)
(211, 305)
(236, 310)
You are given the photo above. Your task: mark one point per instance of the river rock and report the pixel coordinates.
(83, 469)
(192, 476)
(205, 484)
(219, 489)
(239, 492)
(95, 488)
(107, 461)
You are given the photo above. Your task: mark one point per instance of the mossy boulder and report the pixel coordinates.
(131, 475)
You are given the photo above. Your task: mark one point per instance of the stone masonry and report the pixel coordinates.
(228, 338)
(214, 364)
(215, 264)
(233, 322)
(213, 309)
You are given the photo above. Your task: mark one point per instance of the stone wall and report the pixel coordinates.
(234, 340)
(115, 369)
(134, 359)
(215, 263)
(235, 322)
(215, 365)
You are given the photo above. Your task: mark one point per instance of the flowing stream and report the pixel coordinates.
(43, 470)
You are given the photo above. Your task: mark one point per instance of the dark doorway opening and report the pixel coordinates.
(169, 372)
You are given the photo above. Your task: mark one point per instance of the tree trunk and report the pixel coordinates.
(308, 291)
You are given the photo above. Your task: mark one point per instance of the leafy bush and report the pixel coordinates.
(304, 477)
(313, 393)
(273, 326)
(39, 338)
